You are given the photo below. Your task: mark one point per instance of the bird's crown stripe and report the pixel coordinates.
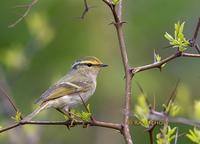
(90, 62)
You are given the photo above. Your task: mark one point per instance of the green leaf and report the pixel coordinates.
(179, 41)
(168, 37)
(84, 115)
(115, 2)
(157, 57)
(141, 111)
(194, 135)
(166, 135)
(197, 110)
(172, 108)
(17, 117)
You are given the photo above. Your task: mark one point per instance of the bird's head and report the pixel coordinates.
(88, 65)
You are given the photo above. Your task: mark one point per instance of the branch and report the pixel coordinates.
(28, 8)
(117, 15)
(66, 123)
(12, 103)
(156, 64)
(150, 131)
(10, 100)
(171, 97)
(173, 56)
(193, 42)
(190, 55)
(164, 61)
(159, 116)
(86, 9)
(196, 30)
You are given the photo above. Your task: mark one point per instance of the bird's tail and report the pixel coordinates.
(34, 113)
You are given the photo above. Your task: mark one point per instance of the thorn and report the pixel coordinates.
(122, 129)
(140, 87)
(86, 10)
(123, 22)
(160, 68)
(154, 102)
(112, 23)
(169, 46)
(197, 48)
(22, 6)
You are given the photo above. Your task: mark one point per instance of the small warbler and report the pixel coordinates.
(79, 84)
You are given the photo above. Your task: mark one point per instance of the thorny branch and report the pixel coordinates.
(177, 54)
(150, 130)
(160, 116)
(117, 14)
(66, 123)
(29, 6)
(164, 61)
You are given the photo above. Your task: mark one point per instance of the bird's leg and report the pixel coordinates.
(70, 116)
(66, 113)
(61, 112)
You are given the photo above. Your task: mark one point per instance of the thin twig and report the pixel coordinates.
(160, 116)
(91, 117)
(172, 96)
(193, 41)
(157, 64)
(150, 131)
(84, 104)
(66, 123)
(190, 55)
(28, 8)
(86, 9)
(176, 137)
(140, 87)
(10, 100)
(164, 61)
(197, 48)
(196, 30)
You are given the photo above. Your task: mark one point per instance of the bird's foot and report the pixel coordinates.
(70, 123)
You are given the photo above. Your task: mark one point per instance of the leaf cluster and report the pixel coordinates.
(83, 115)
(166, 135)
(178, 41)
(194, 135)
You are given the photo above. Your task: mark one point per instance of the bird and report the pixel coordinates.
(76, 87)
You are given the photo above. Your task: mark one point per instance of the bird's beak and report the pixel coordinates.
(103, 65)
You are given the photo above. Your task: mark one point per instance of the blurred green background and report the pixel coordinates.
(42, 47)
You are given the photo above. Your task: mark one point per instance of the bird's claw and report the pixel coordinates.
(70, 123)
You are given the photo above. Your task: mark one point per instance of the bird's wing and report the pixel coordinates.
(62, 89)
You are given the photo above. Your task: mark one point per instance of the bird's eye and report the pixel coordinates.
(89, 64)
